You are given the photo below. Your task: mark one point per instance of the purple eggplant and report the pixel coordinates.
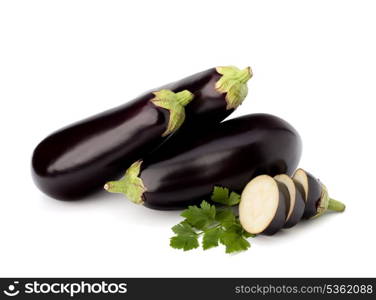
(183, 172)
(78, 159)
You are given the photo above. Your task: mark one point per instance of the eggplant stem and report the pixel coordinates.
(184, 97)
(327, 203)
(233, 83)
(336, 205)
(174, 103)
(245, 75)
(130, 185)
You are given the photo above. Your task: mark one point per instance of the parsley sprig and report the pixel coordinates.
(214, 225)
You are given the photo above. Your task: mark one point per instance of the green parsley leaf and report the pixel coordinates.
(211, 237)
(225, 217)
(222, 195)
(184, 242)
(216, 225)
(233, 239)
(234, 199)
(200, 217)
(183, 228)
(186, 237)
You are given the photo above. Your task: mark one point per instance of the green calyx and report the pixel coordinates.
(130, 185)
(174, 103)
(233, 82)
(327, 203)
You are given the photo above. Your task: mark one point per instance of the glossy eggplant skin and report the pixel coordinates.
(229, 154)
(78, 159)
(299, 206)
(313, 196)
(208, 106)
(280, 216)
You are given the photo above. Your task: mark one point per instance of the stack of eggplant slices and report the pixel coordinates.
(170, 147)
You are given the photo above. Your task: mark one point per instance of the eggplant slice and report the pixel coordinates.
(264, 205)
(297, 202)
(316, 195)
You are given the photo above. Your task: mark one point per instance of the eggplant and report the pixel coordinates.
(296, 196)
(78, 159)
(267, 204)
(264, 205)
(317, 200)
(228, 154)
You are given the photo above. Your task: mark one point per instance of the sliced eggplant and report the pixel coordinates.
(264, 205)
(297, 203)
(316, 195)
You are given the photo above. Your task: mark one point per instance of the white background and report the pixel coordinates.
(314, 64)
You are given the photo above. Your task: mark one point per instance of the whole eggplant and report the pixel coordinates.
(228, 154)
(78, 159)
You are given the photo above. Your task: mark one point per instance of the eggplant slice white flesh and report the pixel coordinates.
(263, 206)
(316, 195)
(297, 202)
